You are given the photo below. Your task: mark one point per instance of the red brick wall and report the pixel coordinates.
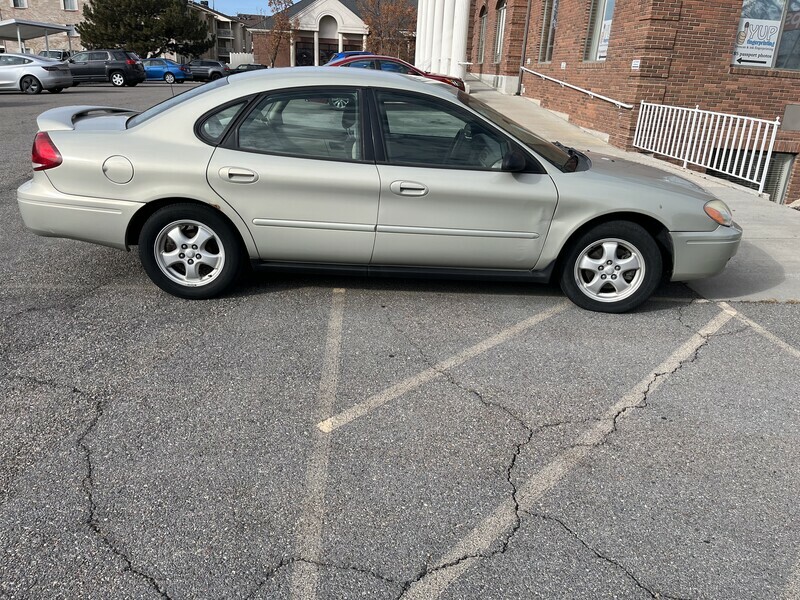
(685, 48)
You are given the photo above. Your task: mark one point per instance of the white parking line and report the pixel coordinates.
(792, 590)
(480, 539)
(308, 540)
(762, 331)
(415, 381)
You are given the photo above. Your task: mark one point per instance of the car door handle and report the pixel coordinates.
(408, 188)
(238, 175)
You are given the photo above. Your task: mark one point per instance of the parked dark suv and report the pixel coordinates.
(117, 66)
(208, 70)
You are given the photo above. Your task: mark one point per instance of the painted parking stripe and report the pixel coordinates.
(308, 540)
(762, 331)
(411, 383)
(480, 539)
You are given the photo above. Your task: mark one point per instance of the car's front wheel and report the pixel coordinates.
(614, 267)
(169, 78)
(117, 79)
(190, 251)
(30, 85)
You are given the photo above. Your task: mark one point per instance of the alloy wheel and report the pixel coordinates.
(189, 253)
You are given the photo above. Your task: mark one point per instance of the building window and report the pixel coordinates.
(778, 173)
(482, 36)
(69, 4)
(768, 35)
(549, 21)
(599, 31)
(19, 3)
(500, 29)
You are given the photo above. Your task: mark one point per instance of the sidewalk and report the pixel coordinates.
(767, 266)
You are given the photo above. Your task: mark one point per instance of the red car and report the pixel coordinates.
(394, 65)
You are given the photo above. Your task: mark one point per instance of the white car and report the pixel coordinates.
(367, 172)
(32, 74)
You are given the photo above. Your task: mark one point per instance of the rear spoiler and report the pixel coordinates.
(65, 118)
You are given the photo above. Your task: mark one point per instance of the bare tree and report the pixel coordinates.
(391, 26)
(281, 29)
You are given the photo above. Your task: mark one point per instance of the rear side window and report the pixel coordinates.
(98, 55)
(361, 64)
(214, 126)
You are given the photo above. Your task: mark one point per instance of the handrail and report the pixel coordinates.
(617, 103)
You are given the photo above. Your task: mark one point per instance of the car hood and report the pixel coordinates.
(639, 174)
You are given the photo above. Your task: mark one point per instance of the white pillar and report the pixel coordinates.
(316, 48)
(428, 45)
(46, 41)
(19, 40)
(446, 60)
(422, 7)
(291, 49)
(364, 42)
(341, 42)
(436, 45)
(460, 30)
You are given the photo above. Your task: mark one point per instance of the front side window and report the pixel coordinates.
(81, 57)
(549, 22)
(599, 32)
(307, 124)
(420, 131)
(768, 35)
(482, 36)
(500, 28)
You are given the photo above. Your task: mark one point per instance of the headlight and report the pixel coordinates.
(719, 212)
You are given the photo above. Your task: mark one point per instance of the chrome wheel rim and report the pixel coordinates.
(609, 270)
(117, 79)
(189, 253)
(340, 103)
(170, 78)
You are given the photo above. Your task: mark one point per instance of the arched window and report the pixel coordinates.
(500, 30)
(482, 36)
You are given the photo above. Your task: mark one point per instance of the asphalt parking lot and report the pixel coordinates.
(310, 437)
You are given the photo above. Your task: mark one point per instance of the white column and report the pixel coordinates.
(364, 42)
(436, 45)
(422, 7)
(341, 42)
(460, 30)
(447, 36)
(46, 41)
(316, 48)
(291, 49)
(19, 41)
(428, 46)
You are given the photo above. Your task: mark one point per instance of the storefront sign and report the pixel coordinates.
(756, 43)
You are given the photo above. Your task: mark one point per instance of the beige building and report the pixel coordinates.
(59, 12)
(232, 36)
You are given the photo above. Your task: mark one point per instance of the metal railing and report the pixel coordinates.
(617, 103)
(737, 146)
(224, 32)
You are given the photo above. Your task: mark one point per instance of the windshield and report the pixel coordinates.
(547, 150)
(174, 101)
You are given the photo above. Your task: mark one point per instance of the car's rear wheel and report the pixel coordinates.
(55, 90)
(215, 76)
(30, 85)
(614, 267)
(190, 251)
(117, 79)
(169, 78)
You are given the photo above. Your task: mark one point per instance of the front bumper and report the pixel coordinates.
(48, 212)
(700, 254)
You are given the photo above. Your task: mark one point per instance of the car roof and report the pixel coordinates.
(253, 81)
(33, 57)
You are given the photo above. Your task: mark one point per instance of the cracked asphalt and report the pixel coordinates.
(505, 444)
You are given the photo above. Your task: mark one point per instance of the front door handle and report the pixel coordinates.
(238, 175)
(408, 188)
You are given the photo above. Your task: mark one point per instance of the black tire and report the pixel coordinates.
(169, 270)
(181, 80)
(116, 78)
(30, 85)
(597, 268)
(55, 90)
(169, 78)
(215, 76)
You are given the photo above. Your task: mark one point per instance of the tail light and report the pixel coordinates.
(130, 61)
(45, 155)
(184, 68)
(51, 69)
(227, 68)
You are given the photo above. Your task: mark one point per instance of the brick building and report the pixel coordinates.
(324, 27)
(60, 12)
(726, 55)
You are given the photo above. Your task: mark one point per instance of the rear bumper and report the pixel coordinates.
(700, 254)
(48, 212)
(57, 80)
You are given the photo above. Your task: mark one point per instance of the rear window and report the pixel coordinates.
(120, 56)
(174, 101)
(132, 55)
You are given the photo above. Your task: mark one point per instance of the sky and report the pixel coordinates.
(233, 7)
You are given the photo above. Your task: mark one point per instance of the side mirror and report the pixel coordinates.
(514, 161)
(70, 60)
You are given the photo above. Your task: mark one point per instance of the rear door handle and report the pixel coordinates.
(238, 175)
(408, 188)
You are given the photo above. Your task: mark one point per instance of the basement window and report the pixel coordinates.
(780, 169)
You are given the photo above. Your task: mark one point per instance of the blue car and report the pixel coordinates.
(164, 69)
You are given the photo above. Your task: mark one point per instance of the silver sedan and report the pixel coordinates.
(366, 172)
(32, 74)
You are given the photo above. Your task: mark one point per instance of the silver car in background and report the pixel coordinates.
(32, 74)
(364, 172)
